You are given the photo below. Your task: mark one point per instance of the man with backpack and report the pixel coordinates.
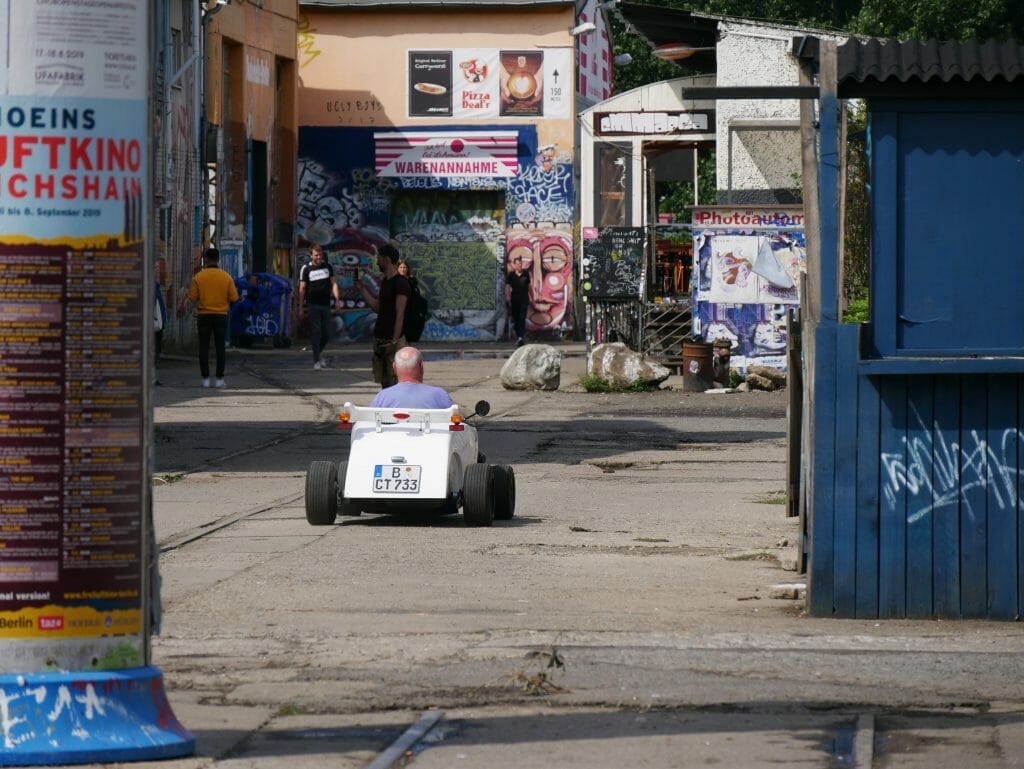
(390, 304)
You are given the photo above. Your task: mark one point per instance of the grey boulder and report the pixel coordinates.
(533, 367)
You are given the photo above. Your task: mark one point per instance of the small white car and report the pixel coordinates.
(410, 460)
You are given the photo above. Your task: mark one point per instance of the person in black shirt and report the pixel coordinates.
(390, 305)
(517, 297)
(317, 287)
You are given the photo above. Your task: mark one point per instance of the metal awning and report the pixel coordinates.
(661, 26)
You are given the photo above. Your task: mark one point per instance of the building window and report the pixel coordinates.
(613, 186)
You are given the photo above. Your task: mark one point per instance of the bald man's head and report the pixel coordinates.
(409, 365)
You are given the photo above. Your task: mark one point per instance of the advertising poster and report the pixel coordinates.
(430, 83)
(747, 270)
(522, 83)
(476, 83)
(73, 159)
(756, 333)
(751, 269)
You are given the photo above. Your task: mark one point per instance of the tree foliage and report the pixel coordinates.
(941, 19)
(903, 19)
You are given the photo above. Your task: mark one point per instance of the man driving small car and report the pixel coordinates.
(410, 392)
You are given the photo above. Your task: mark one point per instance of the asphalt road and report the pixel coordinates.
(622, 618)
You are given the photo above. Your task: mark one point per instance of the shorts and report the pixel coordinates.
(383, 365)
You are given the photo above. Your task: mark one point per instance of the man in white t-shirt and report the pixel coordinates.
(410, 392)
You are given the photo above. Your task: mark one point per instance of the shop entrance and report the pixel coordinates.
(454, 242)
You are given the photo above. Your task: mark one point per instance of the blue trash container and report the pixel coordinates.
(263, 310)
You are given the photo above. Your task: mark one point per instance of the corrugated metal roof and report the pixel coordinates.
(931, 61)
(659, 25)
(358, 4)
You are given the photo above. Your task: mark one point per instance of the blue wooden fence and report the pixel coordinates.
(917, 494)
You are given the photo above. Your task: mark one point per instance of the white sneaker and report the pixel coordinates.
(206, 381)
(317, 366)
(220, 383)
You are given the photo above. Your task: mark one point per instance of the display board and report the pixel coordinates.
(612, 264)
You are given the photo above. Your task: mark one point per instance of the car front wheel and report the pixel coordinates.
(478, 495)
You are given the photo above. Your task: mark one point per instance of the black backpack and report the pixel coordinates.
(416, 313)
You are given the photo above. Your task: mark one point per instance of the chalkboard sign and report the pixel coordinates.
(613, 258)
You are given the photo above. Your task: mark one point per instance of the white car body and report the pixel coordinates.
(408, 460)
(427, 450)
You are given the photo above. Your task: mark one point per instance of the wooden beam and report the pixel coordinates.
(752, 92)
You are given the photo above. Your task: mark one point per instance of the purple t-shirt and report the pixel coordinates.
(412, 395)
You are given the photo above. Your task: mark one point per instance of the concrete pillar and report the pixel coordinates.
(77, 562)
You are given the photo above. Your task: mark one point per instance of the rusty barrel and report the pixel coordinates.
(698, 366)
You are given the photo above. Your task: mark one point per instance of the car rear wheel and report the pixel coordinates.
(322, 493)
(504, 492)
(478, 495)
(344, 506)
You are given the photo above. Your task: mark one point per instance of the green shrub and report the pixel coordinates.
(594, 384)
(858, 311)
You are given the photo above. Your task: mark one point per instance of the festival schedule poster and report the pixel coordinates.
(73, 160)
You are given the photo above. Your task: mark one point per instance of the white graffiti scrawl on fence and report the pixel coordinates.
(937, 473)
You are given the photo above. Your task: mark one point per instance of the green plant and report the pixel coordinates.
(595, 384)
(858, 310)
(734, 378)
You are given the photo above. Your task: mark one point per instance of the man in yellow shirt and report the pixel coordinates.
(213, 290)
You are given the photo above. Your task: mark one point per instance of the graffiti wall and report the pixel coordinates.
(434, 195)
(540, 231)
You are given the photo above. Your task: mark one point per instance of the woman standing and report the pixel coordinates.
(517, 297)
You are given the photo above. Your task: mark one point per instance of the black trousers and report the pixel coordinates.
(319, 328)
(518, 312)
(217, 327)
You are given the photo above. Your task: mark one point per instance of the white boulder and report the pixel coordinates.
(619, 366)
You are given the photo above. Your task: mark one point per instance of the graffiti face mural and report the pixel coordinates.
(547, 257)
(551, 298)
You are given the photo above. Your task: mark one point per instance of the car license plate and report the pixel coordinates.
(396, 479)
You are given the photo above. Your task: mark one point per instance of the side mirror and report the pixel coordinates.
(482, 408)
